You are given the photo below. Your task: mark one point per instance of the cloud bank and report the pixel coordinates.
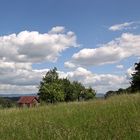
(18, 52)
(34, 47)
(112, 52)
(100, 82)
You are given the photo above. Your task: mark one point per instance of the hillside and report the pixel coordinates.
(116, 118)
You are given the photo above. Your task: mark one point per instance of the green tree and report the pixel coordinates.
(78, 88)
(50, 89)
(68, 90)
(135, 83)
(6, 103)
(90, 93)
(110, 93)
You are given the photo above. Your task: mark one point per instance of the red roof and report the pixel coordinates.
(26, 99)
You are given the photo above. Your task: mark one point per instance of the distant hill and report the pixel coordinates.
(16, 95)
(15, 99)
(100, 95)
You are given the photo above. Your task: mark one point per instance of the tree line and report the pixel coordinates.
(6, 102)
(54, 89)
(134, 84)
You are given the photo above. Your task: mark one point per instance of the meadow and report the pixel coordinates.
(117, 118)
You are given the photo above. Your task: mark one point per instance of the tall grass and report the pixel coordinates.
(117, 118)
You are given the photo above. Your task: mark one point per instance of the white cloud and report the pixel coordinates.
(19, 74)
(69, 65)
(16, 89)
(130, 71)
(35, 47)
(118, 49)
(120, 66)
(100, 82)
(123, 26)
(19, 77)
(58, 29)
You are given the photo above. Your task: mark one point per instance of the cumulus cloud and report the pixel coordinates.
(120, 66)
(130, 71)
(100, 82)
(18, 52)
(35, 47)
(19, 75)
(118, 49)
(69, 65)
(58, 29)
(124, 26)
(16, 89)
(19, 78)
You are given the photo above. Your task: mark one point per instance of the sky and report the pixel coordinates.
(93, 41)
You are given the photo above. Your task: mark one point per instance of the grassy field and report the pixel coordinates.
(117, 118)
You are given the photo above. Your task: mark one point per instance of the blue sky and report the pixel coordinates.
(95, 41)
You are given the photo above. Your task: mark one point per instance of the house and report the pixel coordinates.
(28, 101)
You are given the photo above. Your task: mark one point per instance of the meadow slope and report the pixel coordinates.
(117, 118)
